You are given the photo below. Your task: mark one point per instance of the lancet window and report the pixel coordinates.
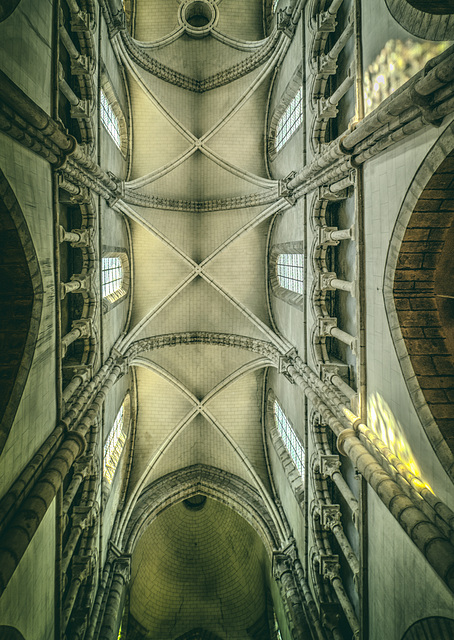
(110, 120)
(290, 271)
(290, 439)
(290, 120)
(113, 447)
(112, 278)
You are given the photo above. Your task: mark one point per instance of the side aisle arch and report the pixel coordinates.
(419, 294)
(20, 280)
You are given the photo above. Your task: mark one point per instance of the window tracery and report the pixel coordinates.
(290, 120)
(290, 271)
(112, 278)
(289, 438)
(110, 120)
(113, 447)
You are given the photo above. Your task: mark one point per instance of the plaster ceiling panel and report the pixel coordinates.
(152, 283)
(199, 442)
(199, 178)
(240, 270)
(200, 367)
(217, 102)
(154, 19)
(241, 20)
(200, 569)
(245, 151)
(199, 59)
(161, 408)
(182, 104)
(218, 226)
(199, 307)
(238, 408)
(182, 228)
(155, 141)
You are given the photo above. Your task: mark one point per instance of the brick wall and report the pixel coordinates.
(420, 281)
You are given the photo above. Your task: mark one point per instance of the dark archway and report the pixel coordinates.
(10, 633)
(21, 299)
(6, 8)
(434, 628)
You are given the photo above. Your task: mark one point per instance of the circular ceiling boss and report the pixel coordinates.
(198, 17)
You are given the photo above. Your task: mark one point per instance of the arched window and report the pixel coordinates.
(290, 120)
(113, 446)
(110, 120)
(290, 439)
(290, 271)
(112, 278)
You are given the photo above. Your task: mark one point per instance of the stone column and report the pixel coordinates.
(328, 327)
(330, 373)
(283, 572)
(121, 571)
(329, 282)
(82, 374)
(77, 283)
(77, 237)
(331, 236)
(80, 329)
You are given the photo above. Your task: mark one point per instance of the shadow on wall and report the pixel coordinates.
(21, 299)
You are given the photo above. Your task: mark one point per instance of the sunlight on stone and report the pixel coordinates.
(397, 62)
(385, 425)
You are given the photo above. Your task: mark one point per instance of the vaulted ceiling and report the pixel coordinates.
(200, 200)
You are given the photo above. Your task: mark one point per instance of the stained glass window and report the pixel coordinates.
(290, 271)
(112, 278)
(289, 437)
(109, 120)
(290, 120)
(113, 447)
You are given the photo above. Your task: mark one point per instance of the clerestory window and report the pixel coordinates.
(112, 278)
(290, 271)
(290, 120)
(290, 439)
(110, 120)
(113, 447)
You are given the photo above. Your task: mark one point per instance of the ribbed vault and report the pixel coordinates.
(199, 200)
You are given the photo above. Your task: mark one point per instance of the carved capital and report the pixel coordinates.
(84, 326)
(325, 325)
(329, 566)
(325, 279)
(330, 515)
(284, 22)
(324, 237)
(284, 191)
(329, 465)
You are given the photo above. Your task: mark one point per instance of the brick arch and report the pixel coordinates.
(21, 282)
(420, 317)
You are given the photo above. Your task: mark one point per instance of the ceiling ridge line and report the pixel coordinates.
(279, 341)
(182, 130)
(128, 211)
(277, 207)
(162, 171)
(166, 375)
(265, 183)
(157, 309)
(233, 110)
